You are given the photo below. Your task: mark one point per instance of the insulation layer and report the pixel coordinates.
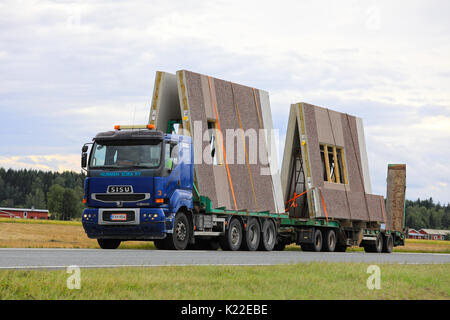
(165, 101)
(334, 166)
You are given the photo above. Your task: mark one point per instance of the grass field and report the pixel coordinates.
(22, 233)
(294, 281)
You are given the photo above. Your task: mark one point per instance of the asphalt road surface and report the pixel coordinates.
(61, 258)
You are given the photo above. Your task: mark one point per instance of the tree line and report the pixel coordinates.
(62, 194)
(426, 214)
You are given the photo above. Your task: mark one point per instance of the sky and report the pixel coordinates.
(69, 69)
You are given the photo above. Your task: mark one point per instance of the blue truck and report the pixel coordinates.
(140, 186)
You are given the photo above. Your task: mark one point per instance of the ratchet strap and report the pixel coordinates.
(294, 198)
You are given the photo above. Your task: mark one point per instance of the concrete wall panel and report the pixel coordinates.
(231, 106)
(342, 201)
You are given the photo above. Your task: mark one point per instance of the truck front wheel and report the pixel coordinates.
(179, 239)
(108, 243)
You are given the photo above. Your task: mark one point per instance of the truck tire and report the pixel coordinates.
(374, 246)
(329, 243)
(318, 241)
(108, 243)
(232, 239)
(316, 245)
(179, 239)
(252, 236)
(269, 237)
(388, 243)
(160, 244)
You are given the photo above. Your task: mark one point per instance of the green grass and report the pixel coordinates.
(36, 221)
(293, 281)
(29, 233)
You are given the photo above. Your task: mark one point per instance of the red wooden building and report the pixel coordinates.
(414, 234)
(433, 234)
(23, 213)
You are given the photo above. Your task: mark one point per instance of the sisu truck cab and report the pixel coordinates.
(138, 179)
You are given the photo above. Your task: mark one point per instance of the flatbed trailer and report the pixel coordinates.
(310, 234)
(322, 235)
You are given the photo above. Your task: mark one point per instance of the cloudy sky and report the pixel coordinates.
(69, 69)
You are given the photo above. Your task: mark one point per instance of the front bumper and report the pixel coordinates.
(147, 224)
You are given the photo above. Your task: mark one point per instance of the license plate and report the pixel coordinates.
(119, 217)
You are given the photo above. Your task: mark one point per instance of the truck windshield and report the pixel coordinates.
(125, 154)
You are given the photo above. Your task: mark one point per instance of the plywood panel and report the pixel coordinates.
(336, 203)
(376, 207)
(336, 123)
(395, 196)
(324, 132)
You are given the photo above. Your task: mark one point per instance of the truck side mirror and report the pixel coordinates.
(84, 159)
(84, 149)
(169, 164)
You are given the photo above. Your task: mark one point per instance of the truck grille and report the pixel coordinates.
(132, 197)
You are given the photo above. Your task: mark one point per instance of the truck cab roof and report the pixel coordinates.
(138, 134)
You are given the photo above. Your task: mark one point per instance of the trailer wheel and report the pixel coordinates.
(318, 241)
(252, 236)
(232, 239)
(268, 237)
(108, 243)
(388, 243)
(179, 239)
(374, 246)
(329, 244)
(316, 245)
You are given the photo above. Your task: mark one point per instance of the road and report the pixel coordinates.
(11, 258)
